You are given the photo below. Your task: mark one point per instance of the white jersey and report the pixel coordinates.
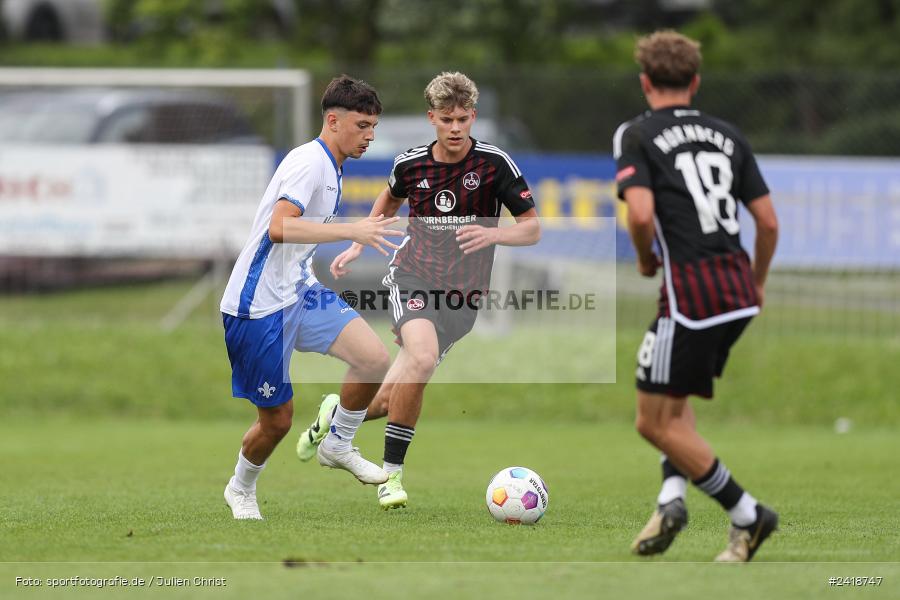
(267, 276)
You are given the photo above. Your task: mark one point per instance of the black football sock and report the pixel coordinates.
(720, 485)
(396, 442)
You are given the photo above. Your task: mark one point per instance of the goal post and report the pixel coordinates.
(141, 163)
(296, 82)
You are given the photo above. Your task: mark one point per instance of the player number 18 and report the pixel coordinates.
(698, 177)
(645, 352)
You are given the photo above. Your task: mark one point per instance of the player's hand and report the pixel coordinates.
(472, 238)
(760, 295)
(648, 266)
(371, 231)
(339, 264)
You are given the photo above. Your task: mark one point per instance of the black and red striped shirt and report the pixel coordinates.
(699, 168)
(444, 197)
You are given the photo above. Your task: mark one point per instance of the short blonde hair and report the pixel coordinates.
(449, 90)
(668, 58)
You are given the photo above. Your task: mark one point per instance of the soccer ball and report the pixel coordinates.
(517, 495)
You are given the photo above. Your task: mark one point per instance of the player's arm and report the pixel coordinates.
(286, 227)
(763, 213)
(641, 206)
(385, 204)
(525, 232)
(634, 186)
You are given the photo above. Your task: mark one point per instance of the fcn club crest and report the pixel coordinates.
(471, 181)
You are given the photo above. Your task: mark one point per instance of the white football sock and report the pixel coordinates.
(743, 514)
(673, 487)
(391, 467)
(246, 473)
(343, 427)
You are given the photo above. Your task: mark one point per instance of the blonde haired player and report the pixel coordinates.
(456, 187)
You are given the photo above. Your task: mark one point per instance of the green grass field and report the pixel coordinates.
(147, 492)
(118, 439)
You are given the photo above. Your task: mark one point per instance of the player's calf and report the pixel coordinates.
(378, 408)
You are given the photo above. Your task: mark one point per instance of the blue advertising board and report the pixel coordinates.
(834, 212)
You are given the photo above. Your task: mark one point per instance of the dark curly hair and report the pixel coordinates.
(352, 94)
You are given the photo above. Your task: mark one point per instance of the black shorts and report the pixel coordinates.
(413, 298)
(678, 361)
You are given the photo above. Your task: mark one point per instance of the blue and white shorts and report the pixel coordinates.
(260, 349)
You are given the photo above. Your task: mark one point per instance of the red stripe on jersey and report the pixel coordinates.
(664, 301)
(714, 285)
(677, 284)
(711, 291)
(747, 272)
(728, 295)
(740, 294)
(432, 255)
(695, 291)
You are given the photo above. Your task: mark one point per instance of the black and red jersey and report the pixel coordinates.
(443, 198)
(699, 168)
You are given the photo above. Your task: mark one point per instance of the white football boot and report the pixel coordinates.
(243, 504)
(351, 460)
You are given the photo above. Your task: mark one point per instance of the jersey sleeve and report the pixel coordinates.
(753, 185)
(300, 184)
(512, 189)
(632, 166)
(396, 180)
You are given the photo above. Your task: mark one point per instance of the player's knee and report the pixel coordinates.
(648, 428)
(421, 364)
(381, 362)
(374, 364)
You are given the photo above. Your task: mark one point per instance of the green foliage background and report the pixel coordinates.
(805, 77)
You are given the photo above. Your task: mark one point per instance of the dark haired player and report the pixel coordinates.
(273, 302)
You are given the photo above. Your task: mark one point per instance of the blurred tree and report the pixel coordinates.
(171, 20)
(824, 33)
(521, 31)
(3, 34)
(474, 32)
(347, 29)
(798, 76)
(213, 32)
